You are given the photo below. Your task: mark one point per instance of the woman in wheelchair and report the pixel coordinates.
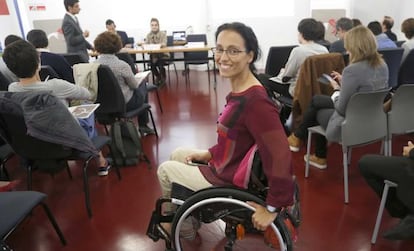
(248, 124)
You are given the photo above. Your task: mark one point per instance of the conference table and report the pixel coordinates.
(172, 49)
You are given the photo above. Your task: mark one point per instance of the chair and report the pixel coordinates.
(277, 58)
(16, 206)
(399, 119)
(406, 74)
(196, 58)
(73, 58)
(392, 57)
(129, 60)
(365, 122)
(170, 61)
(4, 82)
(399, 43)
(16, 128)
(307, 84)
(111, 100)
(6, 152)
(47, 72)
(387, 185)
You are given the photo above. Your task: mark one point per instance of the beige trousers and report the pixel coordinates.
(176, 170)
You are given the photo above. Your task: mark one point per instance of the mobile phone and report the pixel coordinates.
(197, 163)
(328, 77)
(325, 79)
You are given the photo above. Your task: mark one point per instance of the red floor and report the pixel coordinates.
(122, 208)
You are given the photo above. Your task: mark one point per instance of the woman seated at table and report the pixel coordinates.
(107, 44)
(366, 72)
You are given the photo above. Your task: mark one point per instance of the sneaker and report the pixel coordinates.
(316, 161)
(294, 143)
(145, 130)
(104, 170)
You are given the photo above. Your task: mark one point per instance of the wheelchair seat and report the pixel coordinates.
(225, 217)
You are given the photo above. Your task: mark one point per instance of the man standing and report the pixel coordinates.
(74, 36)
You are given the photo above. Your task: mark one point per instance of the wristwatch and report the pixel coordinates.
(273, 209)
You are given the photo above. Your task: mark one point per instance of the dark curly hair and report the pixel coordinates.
(108, 43)
(407, 27)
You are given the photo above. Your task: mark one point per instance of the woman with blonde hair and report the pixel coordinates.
(366, 72)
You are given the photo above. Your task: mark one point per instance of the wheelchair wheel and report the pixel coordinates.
(225, 219)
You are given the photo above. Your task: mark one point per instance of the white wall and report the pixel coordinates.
(9, 23)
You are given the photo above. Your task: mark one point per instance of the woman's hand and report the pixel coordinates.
(202, 157)
(336, 76)
(408, 148)
(262, 218)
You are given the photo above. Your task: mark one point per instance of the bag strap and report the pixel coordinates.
(116, 127)
(134, 135)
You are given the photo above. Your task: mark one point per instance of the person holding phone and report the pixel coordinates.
(239, 134)
(366, 72)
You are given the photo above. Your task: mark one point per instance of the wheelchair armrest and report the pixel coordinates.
(180, 192)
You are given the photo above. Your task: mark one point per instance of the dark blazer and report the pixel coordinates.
(124, 37)
(75, 41)
(59, 64)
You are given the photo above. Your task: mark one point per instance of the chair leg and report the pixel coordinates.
(86, 187)
(208, 72)
(153, 122)
(345, 164)
(29, 177)
(381, 210)
(176, 73)
(168, 69)
(117, 168)
(54, 223)
(308, 154)
(159, 100)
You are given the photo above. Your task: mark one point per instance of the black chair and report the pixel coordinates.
(4, 82)
(277, 58)
(406, 73)
(45, 155)
(170, 61)
(392, 57)
(399, 43)
(6, 152)
(47, 72)
(73, 58)
(129, 60)
(196, 58)
(16, 206)
(112, 104)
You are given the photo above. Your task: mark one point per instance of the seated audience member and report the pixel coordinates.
(387, 25)
(23, 60)
(3, 67)
(321, 38)
(366, 72)
(110, 26)
(407, 27)
(38, 39)
(238, 132)
(400, 202)
(382, 39)
(309, 32)
(158, 59)
(107, 44)
(356, 22)
(343, 25)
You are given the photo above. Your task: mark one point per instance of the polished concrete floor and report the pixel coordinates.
(121, 209)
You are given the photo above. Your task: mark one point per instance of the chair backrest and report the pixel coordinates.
(4, 82)
(392, 57)
(400, 43)
(400, 120)
(47, 72)
(196, 57)
(365, 119)
(110, 97)
(406, 74)
(277, 58)
(129, 60)
(73, 58)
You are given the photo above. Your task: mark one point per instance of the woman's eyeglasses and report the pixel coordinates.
(232, 52)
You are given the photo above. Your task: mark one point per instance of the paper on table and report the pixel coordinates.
(83, 111)
(142, 76)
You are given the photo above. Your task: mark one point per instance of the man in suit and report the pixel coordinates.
(111, 27)
(38, 39)
(74, 36)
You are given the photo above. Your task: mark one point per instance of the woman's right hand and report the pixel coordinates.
(336, 76)
(201, 156)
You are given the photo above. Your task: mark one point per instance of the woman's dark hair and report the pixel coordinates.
(309, 28)
(37, 38)
(250, 39)
(22, 58)
(108, 43)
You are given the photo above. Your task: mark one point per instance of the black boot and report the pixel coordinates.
(403, 231)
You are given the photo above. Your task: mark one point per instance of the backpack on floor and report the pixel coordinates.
(126, 145)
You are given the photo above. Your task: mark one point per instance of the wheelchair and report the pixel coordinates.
(225, 218)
